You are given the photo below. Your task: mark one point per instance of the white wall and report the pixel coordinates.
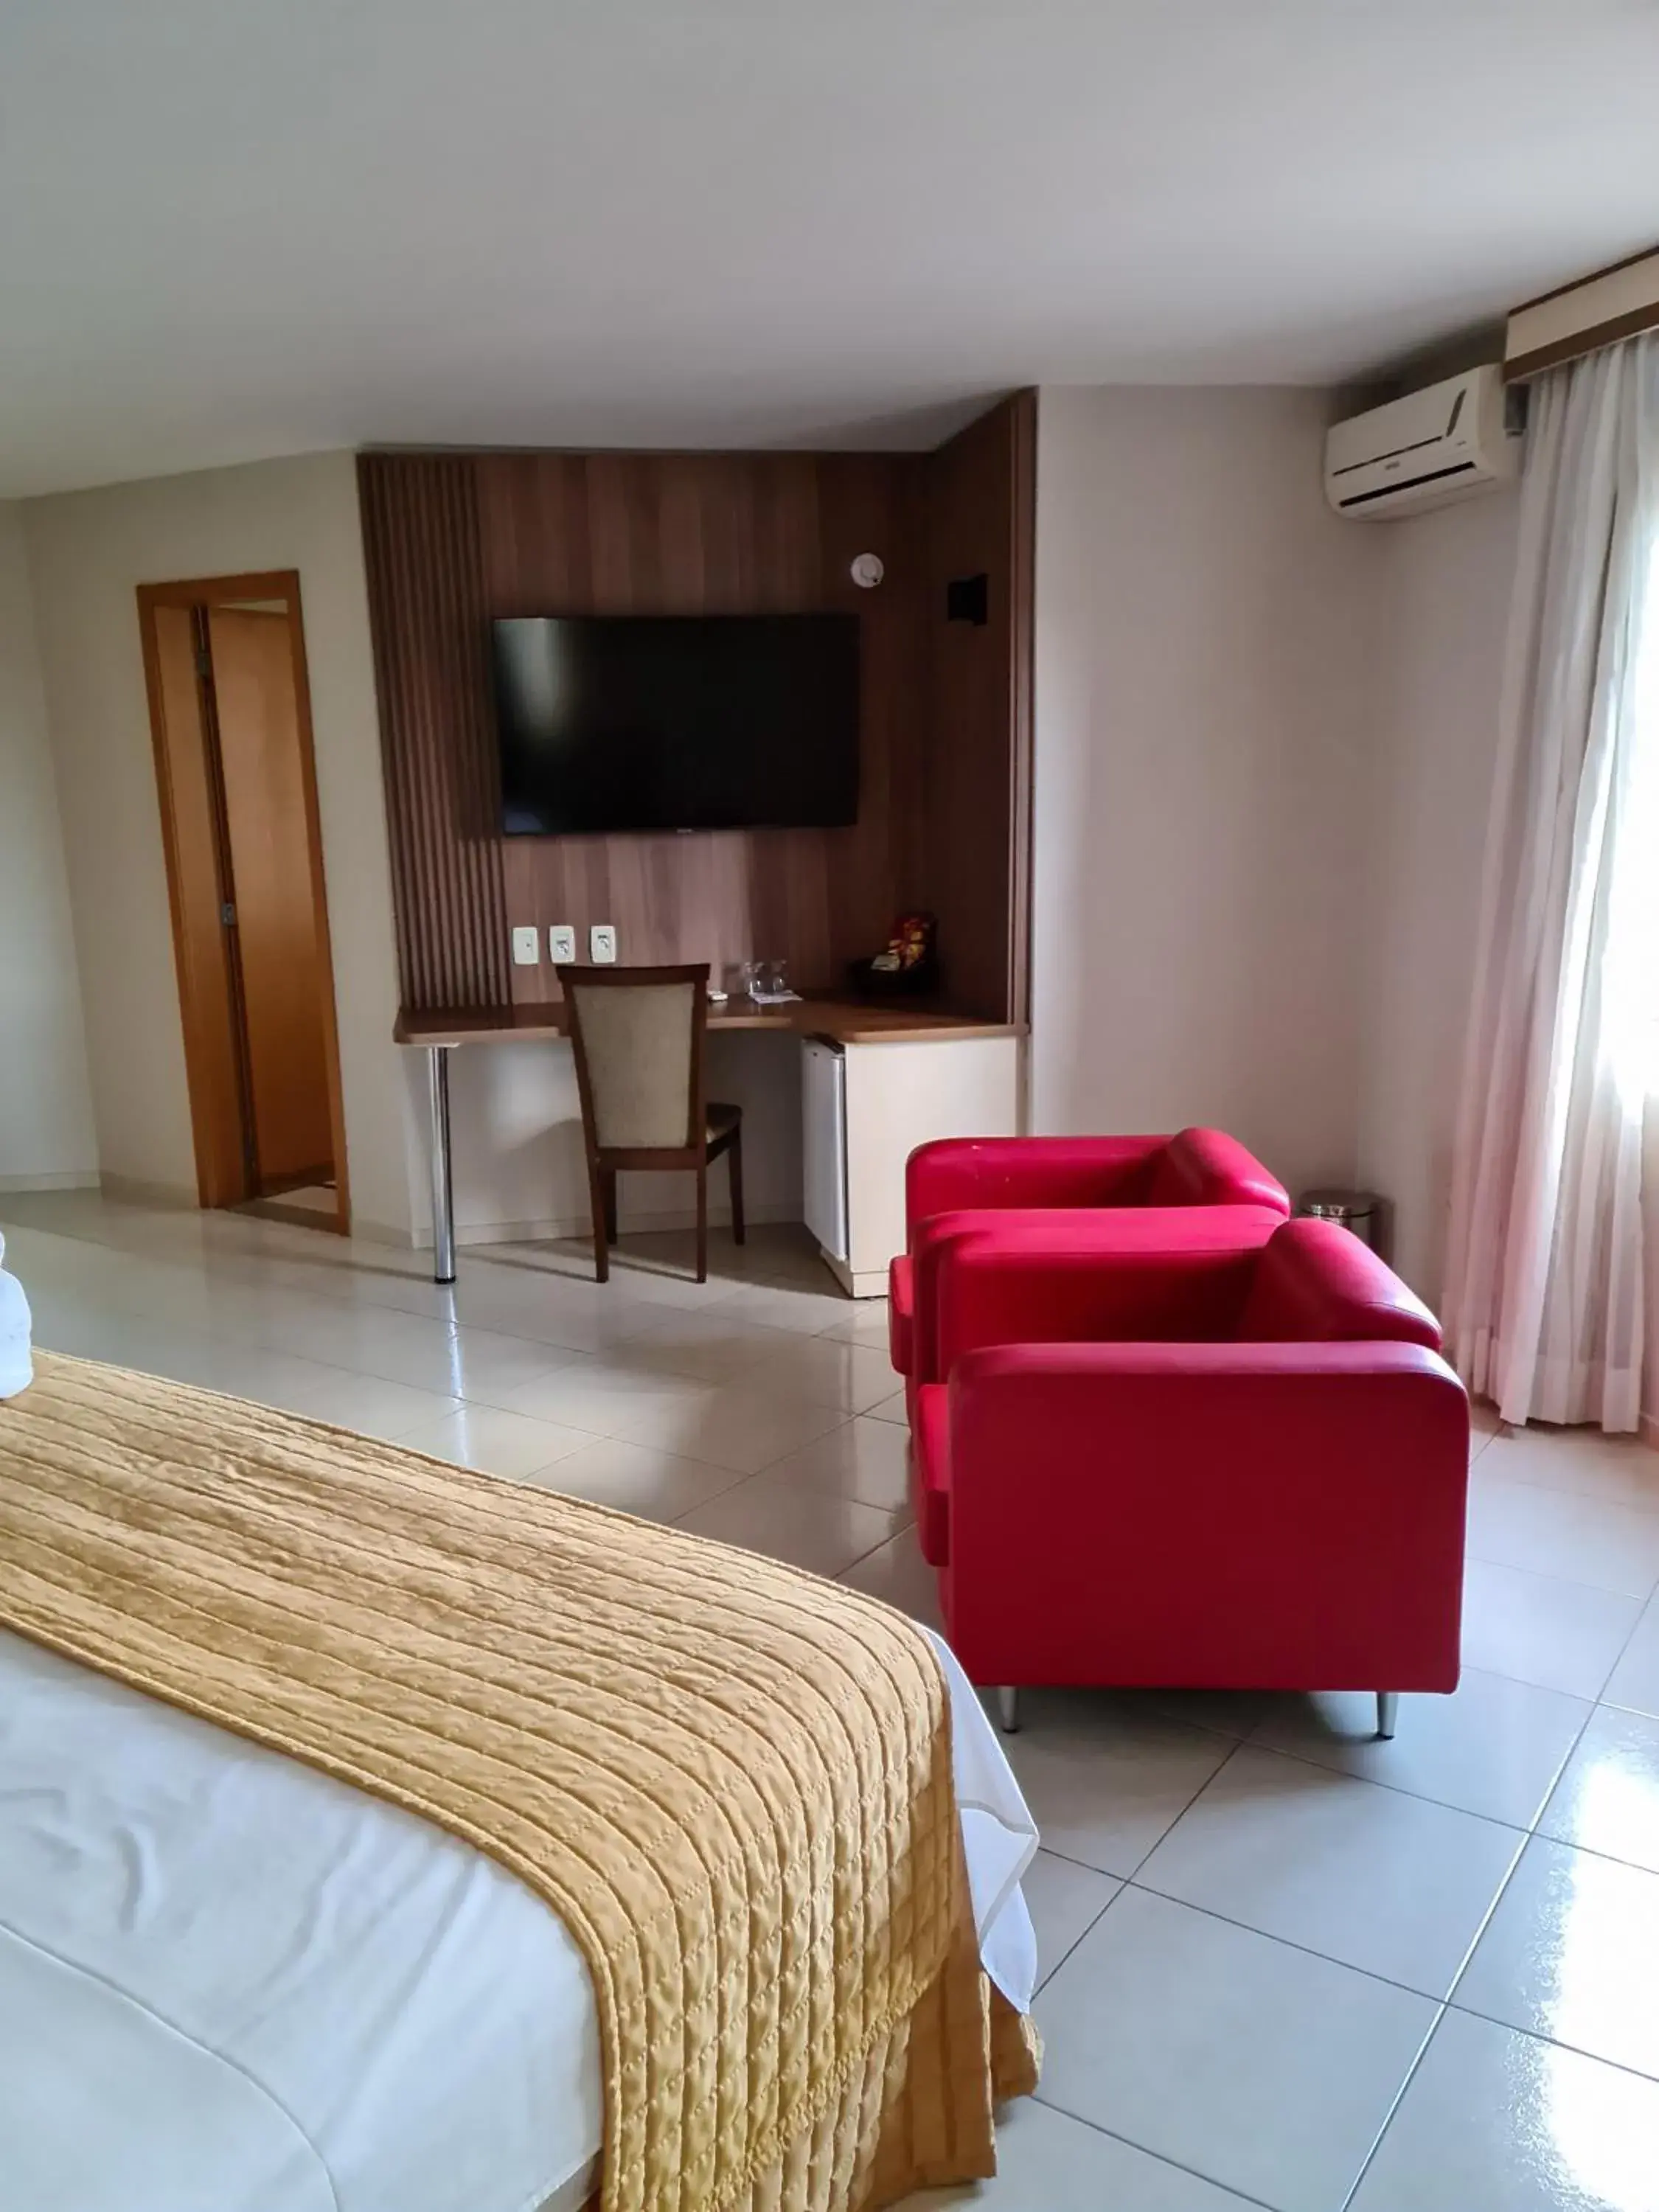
(45, 1108)
(1439, 679)
(88, 550)
(1204, 642)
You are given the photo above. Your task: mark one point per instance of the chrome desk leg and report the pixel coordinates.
(443, 1201)
(1388, 1702)
(1008, 1710)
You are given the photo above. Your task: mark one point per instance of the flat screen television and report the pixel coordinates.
(642, 722)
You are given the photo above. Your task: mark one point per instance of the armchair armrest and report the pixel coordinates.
(956, 1173)
(1147, 1275)
(1260, 1515)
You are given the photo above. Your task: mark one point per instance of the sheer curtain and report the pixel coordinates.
(1544, 1304)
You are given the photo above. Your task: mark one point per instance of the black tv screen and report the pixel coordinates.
(642, 722)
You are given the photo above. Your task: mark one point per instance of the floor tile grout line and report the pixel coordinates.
(1467, 2012)
(1487, 1917)
(460, 1400)
(1204, 1785)
(1605, 1589)
(1590, 1697)
(1552, 2042)
(332, 1293)
(1289, 1943)
(1395, 2102)
(1592, 1851)
(871, 1554)
(1162, 2158)
(1083, 1935)
(1087, 1866)
(1565, 1582)
(1421, 1796)
(1591, 1497)
(1624, 1650)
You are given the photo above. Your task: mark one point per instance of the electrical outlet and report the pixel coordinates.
(601, 942)
(526, 948)
(562, 944)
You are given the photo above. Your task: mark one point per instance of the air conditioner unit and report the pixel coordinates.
(1434, 445)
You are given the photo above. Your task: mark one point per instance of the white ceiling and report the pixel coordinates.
(231, 230)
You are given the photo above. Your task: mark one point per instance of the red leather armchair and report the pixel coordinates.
(1060, 1185)
(1243, 1471)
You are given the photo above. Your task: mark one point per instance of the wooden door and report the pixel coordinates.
(197, 871)
(230, 716)
(283, 962)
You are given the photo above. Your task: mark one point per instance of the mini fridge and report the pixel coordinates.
(824, 1142)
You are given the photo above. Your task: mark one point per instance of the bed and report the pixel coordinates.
(230, 1981)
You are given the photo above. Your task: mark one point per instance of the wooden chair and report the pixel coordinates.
(638, 1034)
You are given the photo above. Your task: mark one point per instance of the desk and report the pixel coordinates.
(441, 1031)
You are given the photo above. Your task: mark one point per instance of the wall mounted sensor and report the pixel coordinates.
(968, 599)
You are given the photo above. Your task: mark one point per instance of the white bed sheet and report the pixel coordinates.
(230, 1983)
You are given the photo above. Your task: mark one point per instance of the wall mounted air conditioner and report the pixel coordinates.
(1433, 446)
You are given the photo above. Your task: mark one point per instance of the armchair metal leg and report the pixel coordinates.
(1388, 1702)
(1008, 1710)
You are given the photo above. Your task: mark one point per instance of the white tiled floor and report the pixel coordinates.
(1286, 1966)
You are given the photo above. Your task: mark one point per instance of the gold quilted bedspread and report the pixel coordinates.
(731, 1780)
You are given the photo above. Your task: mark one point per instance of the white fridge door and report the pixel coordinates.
(824, 1142)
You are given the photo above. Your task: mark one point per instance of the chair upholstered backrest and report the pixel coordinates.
(638, 1040)
(1207, 1167)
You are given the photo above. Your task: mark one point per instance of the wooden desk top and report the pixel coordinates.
(842, 1020)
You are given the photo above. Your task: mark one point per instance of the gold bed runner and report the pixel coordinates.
(732, 1781)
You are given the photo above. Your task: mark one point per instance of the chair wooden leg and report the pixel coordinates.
(734, 1158)
(702, 1222)
(601, 1243)
(610, 1183)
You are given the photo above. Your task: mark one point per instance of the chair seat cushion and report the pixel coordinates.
(930, 1471)
(721, 1119)
(901, 1313)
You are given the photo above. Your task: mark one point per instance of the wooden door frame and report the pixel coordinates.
(208, 591)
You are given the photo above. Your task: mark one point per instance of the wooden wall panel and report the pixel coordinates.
(427, 611)
(982, 510)
(453, 540)
(723, 533)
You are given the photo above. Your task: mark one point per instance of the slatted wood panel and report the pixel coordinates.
(453, 540)
(427, 612)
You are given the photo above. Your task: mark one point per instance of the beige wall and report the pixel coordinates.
(88, 550)
(1204, 647)
(1446, 606)
(45, 1107)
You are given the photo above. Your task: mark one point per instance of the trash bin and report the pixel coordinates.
(1358, 1210)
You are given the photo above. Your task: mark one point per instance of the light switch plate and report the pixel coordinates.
(527, 947)
(601, 942)
(562, 944)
